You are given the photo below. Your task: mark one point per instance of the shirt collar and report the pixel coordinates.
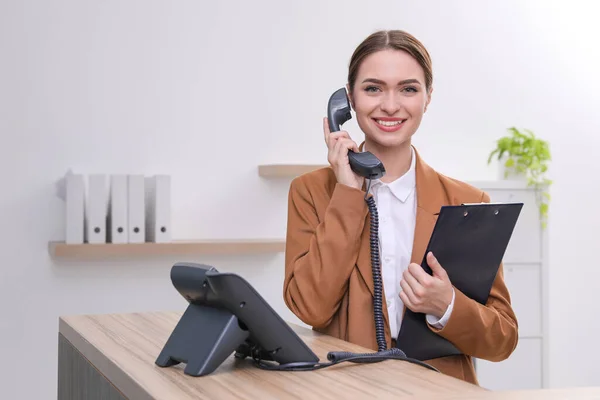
(402, 187)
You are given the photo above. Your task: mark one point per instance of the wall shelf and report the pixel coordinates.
(294, 170)
(287, 170)
(178, 248)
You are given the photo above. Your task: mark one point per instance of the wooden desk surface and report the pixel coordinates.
(123, 348)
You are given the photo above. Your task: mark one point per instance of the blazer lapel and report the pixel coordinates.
(431, 196)
(364, 255)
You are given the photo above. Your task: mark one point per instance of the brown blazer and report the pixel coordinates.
(328, 280)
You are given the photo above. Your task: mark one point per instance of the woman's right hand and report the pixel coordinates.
(338, 145)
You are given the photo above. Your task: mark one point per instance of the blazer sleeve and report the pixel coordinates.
(321, 250)
(489, 331)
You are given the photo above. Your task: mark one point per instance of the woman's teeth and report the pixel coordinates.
(389, 123)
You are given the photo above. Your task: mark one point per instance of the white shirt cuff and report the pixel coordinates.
(439, 324)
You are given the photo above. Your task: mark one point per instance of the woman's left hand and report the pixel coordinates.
(424, 293)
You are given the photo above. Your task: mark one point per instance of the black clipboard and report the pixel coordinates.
(469, 241)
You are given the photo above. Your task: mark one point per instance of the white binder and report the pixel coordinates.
(136, 209)
(96, 209)
(74, 192)
(158, 209)
(117, 210)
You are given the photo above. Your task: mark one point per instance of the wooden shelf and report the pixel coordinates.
(177, 248)
(287, 170)
(294, 170)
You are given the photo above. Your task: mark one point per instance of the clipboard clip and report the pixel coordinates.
(496, 212)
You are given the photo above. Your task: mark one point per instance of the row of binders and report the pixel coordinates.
(119, 208)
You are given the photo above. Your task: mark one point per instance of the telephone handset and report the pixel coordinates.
(370, 167)
(364, 164)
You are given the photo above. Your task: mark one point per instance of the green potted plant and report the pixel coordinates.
(522, 155)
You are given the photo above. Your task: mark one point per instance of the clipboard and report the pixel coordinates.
(469, 241)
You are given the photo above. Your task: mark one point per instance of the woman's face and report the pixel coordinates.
(389, 97)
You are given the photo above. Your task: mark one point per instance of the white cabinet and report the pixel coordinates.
(526, 242)
(526, 276)
(524, 284)
(522, 370)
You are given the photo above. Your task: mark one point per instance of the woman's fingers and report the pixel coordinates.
(335, 136)
(408, 292)
(341, 148)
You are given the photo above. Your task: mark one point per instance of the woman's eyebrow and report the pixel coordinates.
(380, 82)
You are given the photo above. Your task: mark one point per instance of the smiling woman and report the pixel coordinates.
(390, 85)
(328, 278)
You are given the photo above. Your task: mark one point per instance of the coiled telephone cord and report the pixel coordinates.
(376, 269)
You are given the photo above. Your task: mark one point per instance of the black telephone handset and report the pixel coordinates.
(364, 163)
(370, 167)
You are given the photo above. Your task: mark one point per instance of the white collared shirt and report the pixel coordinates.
(397, 209)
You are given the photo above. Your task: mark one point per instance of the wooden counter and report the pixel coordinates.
(112, 357)
(120, 350)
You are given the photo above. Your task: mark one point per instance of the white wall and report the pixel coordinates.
(206, 91)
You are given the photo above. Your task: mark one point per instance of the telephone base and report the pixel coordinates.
(203, 338)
